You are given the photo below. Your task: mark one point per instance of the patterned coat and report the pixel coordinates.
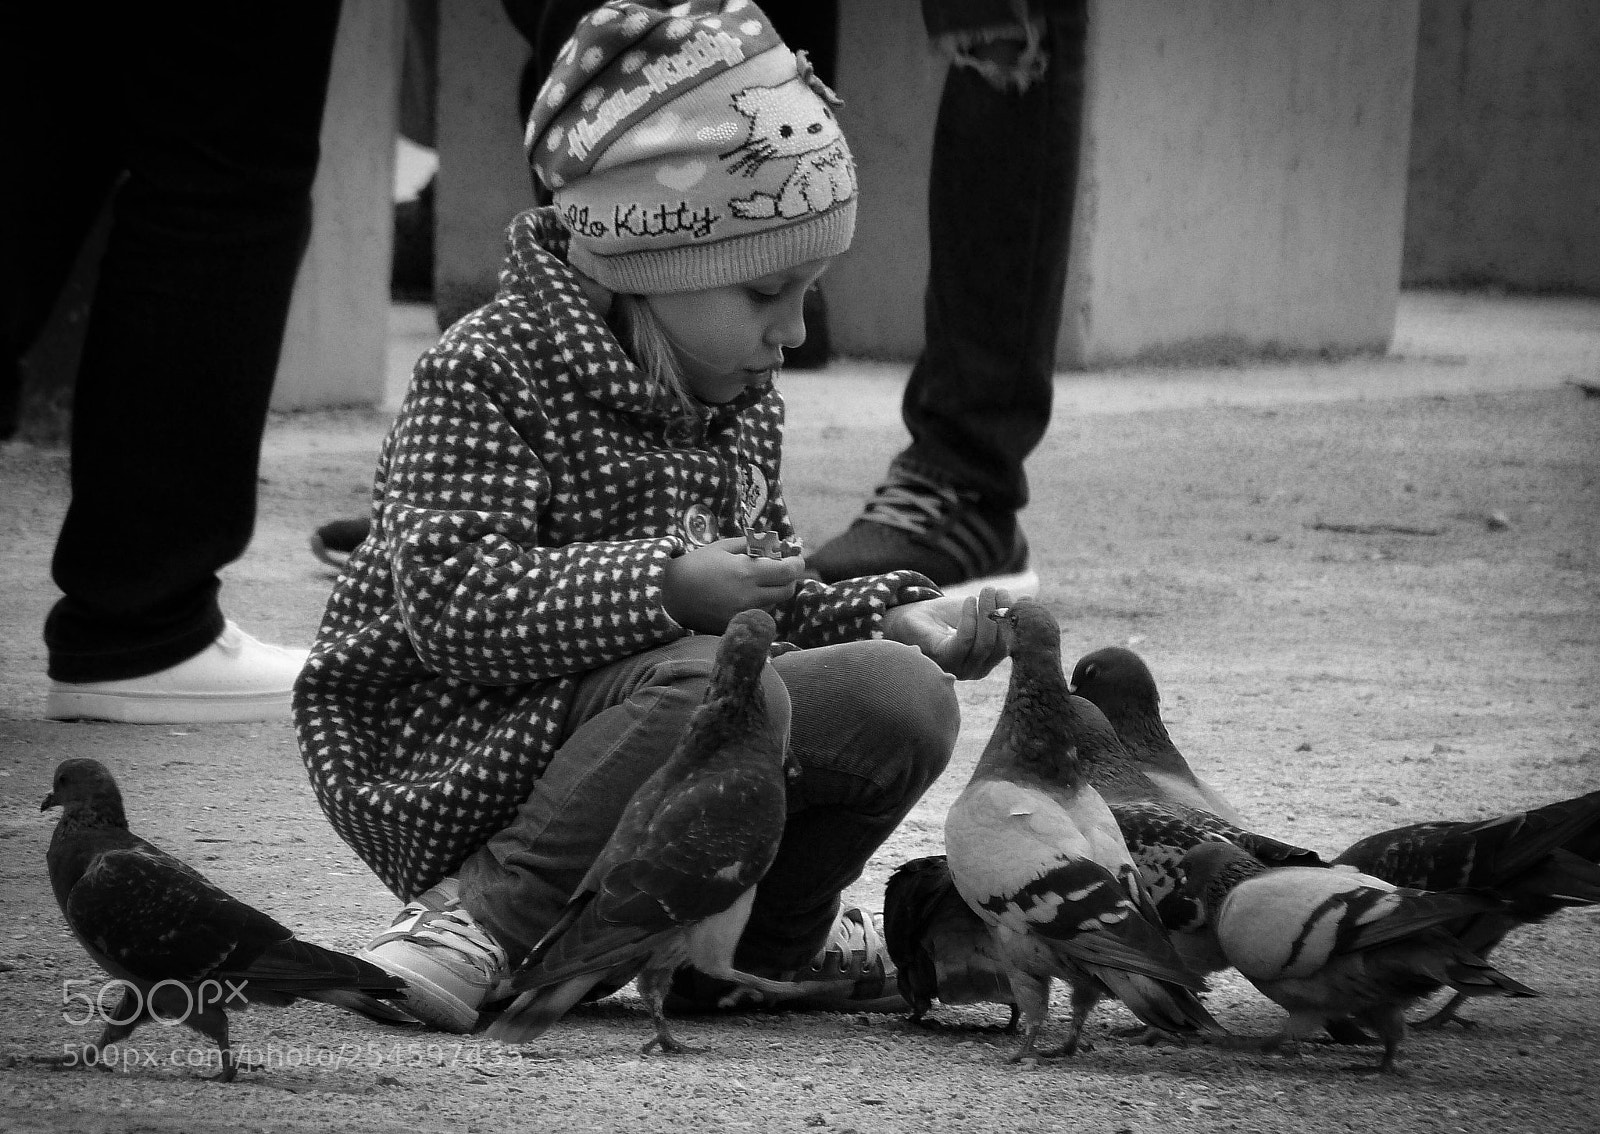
(527, 500)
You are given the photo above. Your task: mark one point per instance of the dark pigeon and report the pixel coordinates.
(942, 950)
(674, 884)
(1122, 687)
(1540, 861)
(186, 949)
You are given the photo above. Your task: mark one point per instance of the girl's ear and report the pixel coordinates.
(598, 293)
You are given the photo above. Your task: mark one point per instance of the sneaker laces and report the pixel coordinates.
(912, 502)
(451, 929)
(855, 950)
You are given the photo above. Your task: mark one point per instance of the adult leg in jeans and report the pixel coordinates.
(213, 121)
(1000, 195)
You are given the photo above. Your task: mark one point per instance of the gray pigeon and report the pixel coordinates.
(1332, 946)
(1122, 687)
(187, 950)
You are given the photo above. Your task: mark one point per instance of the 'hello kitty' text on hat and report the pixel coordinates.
(688, 147)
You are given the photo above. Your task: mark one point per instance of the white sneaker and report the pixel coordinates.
(236, 678)
(450, 964)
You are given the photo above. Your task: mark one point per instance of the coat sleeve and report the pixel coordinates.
(822, 614)
(460, 502)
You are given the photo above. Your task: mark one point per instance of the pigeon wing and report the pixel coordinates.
(709, 841)
(941, 948)
(1034, 873)
(149, 916)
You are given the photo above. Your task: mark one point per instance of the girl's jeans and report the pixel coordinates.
(871, 724)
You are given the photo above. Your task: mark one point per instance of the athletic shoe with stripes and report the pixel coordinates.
(913, 522)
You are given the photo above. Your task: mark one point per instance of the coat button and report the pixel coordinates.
(699, 525)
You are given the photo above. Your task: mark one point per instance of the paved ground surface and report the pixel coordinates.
(1331, 682)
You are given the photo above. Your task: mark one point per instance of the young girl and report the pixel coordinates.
(557, 534)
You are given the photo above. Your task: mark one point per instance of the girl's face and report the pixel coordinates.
(730, 339)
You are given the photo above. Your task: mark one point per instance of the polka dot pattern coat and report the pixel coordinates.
(527, 499)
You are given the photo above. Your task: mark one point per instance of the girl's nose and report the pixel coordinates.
(788, 326)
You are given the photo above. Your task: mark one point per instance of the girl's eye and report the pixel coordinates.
(765, 296)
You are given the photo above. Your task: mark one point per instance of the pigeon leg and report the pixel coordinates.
(1033, 999)
(652, 984)
(1346, 1031)
(1145, 1035)
(1390, 1025)
(212, 1022)
(1084, 997)
(132, 1011)
(1445, 1014)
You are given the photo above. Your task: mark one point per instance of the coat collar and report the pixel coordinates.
(536, 269)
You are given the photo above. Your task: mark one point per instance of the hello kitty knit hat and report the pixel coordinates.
(687, 147)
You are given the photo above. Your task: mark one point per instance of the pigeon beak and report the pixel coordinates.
(49, 802)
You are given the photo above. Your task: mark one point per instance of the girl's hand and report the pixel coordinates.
(956, 633)
(706, 586)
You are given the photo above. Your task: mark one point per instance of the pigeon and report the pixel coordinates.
(942, 950)
(1334, 946)
(1159, 834)
(1034, 850)
(1122, 687)
(1540, 861)
(674, 883)
(183, 949)
(1159, 806)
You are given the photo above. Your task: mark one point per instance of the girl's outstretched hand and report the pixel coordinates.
(706, 586)
(957, 633)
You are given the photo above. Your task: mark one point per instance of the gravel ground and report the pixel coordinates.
(1331, 683)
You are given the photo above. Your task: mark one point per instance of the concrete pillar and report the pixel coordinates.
(483, 179)
(1242, 188)
(1505, 154)
(335, 349)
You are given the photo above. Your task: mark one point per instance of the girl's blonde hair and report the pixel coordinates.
(643, 336)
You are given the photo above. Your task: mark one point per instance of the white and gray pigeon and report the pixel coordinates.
(1331, 946)
(187, 950)
(1035, 852)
